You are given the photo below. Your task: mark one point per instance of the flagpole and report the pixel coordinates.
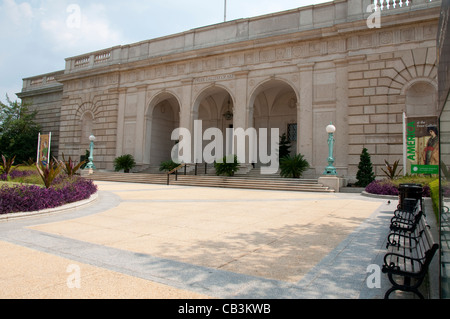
(225, 11)
(38, 147)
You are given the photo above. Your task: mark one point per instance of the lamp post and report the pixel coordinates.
(91, 165)
(330, 169)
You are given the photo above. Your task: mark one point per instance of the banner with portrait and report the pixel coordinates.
(422, 145)
(43, 151)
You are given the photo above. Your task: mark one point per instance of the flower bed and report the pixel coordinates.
(388, 187)
(28, 198)
(16, 174)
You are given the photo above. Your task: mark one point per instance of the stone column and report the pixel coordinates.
(241, 111)
(120, 121)
(140, 124)
(341, 135)
(186, 112)
(186, 120)
(305, 112)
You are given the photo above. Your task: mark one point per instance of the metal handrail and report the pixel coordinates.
(176, 169)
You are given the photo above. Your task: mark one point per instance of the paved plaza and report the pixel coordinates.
(157, 241)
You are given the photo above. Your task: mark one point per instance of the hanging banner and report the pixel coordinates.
(422, 145)
(43, 153)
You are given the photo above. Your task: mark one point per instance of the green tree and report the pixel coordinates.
(18, 131)
(284, 148)
(365, 173)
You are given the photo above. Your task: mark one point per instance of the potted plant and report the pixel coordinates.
(125, 162)
(293, 166)
(228, 167)
(168, 165)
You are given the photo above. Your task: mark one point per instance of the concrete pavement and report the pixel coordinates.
(157, 241)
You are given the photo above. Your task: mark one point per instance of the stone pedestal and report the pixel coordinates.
(332, 182)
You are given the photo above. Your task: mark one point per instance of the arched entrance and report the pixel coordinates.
(162, 117)
(274, 105)
(214, 107)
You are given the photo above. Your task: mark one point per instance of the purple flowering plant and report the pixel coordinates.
(382, 187)
(48, 191)
(27, 197)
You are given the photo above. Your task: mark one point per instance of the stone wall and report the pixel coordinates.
(44, 95)
(324, 64)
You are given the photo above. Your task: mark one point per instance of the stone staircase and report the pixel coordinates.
(253, 181)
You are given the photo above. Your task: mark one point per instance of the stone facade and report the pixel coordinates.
(296, 70)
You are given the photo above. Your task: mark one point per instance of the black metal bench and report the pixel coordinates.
(406, 220)
(411, 248)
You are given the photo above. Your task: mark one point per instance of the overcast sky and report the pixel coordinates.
(37, 35)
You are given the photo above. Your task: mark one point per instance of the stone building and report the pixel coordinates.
(298, 70)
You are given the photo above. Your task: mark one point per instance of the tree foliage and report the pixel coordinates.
(293, 166)
(228, 166)
(18, 131)
(284, 147)
(365, 173)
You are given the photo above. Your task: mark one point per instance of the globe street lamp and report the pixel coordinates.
(91, 165)
(330, 169)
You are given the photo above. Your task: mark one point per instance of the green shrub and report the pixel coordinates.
(168, 165)
(434, 192)
(284, 148)
(365, 174)
(293, 166)
(227, 167)
(413, 179)
(125, 162)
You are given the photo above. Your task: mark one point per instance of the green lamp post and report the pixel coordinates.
(330, 169)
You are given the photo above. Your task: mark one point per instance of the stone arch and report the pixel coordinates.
(211, 93)
(420, 97)
(162, 116)
(413, 65)
(86, 117)
(273, 104)
(214, 106)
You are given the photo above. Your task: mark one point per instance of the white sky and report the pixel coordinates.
(37, 35)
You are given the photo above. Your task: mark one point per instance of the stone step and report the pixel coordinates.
(266, 183)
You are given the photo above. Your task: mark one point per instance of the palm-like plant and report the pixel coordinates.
(228, 166)
(48, 172)
(125, 162)
(7, 165)
(391, 171)
(293, 166)
(168, 165)
(69, 166)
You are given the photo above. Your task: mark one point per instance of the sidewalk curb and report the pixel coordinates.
(364, 193)
(50, 211)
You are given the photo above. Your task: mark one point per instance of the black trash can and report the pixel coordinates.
(408, 195)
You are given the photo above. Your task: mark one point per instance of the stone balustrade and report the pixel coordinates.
(41, 81)
(295, 20)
